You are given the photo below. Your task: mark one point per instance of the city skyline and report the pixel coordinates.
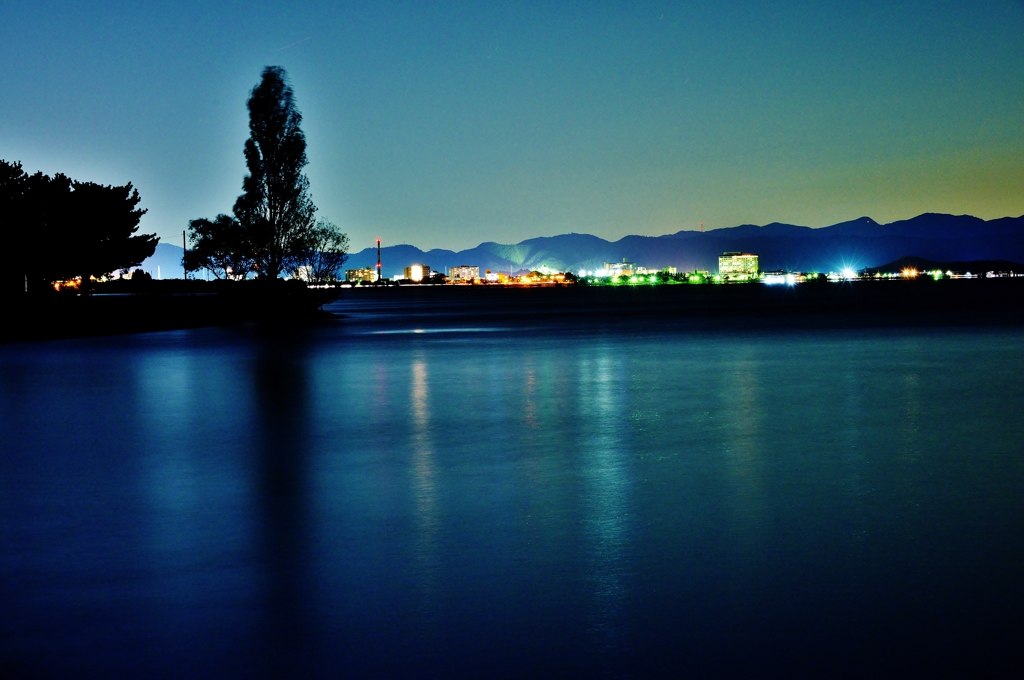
(452, 125)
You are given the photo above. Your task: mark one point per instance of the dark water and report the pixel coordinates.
(509, 501)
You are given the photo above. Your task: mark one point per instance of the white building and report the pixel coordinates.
(624, 268)
(417, 272)
(737, 266)
(463, 273)
(365, 274)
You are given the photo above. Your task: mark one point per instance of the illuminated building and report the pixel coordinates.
(737, 266)
(463, 273)
(624, 268)
(847, 274)
(783, 278)
(417, 272)
(364, 274)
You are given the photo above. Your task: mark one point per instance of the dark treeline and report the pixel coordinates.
(57, 229)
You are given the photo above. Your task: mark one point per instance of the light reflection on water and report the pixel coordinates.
(606, 486)
(217, 503)
(423, 331)
(424, 486)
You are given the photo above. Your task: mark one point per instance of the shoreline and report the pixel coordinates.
(984, 302)
(121, 312)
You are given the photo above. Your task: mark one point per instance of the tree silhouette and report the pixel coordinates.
(58, 228)
(327, 251)
(12, 227)
(273, 230)
(101, 236)
(275, 208)
(221, 246)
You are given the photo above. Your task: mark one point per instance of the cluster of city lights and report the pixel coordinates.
(733, 268)
(779, 279)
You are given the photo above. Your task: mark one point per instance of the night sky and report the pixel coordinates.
(446, 124)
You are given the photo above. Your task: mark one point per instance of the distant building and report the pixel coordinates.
(417, 272)
(624, 268)
(464, 273)
(364, 274)
(737, 266)
(787, 278)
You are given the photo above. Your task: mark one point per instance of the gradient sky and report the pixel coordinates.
(449, 124)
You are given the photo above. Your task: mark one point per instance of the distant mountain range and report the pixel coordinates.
(923, 265)
(857, 244)
(165, 262)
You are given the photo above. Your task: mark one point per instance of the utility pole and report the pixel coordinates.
(184, 251)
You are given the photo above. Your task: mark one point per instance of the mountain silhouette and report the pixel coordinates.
(165, 262)
(858, 243)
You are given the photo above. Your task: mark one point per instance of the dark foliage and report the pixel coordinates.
(221, 246)
(273, 230)
(275, 208)
(103, 239)
(59, 229)
(326, 252)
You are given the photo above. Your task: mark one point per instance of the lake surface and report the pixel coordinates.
(373, 498)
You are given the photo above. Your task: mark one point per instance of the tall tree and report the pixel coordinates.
(273, 230)
(275, 208)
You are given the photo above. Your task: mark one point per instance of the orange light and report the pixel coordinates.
(73, 284)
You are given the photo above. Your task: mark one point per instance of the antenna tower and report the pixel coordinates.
(378, 259)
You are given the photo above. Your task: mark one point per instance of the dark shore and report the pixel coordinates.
(173, 305)
(119, 308)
